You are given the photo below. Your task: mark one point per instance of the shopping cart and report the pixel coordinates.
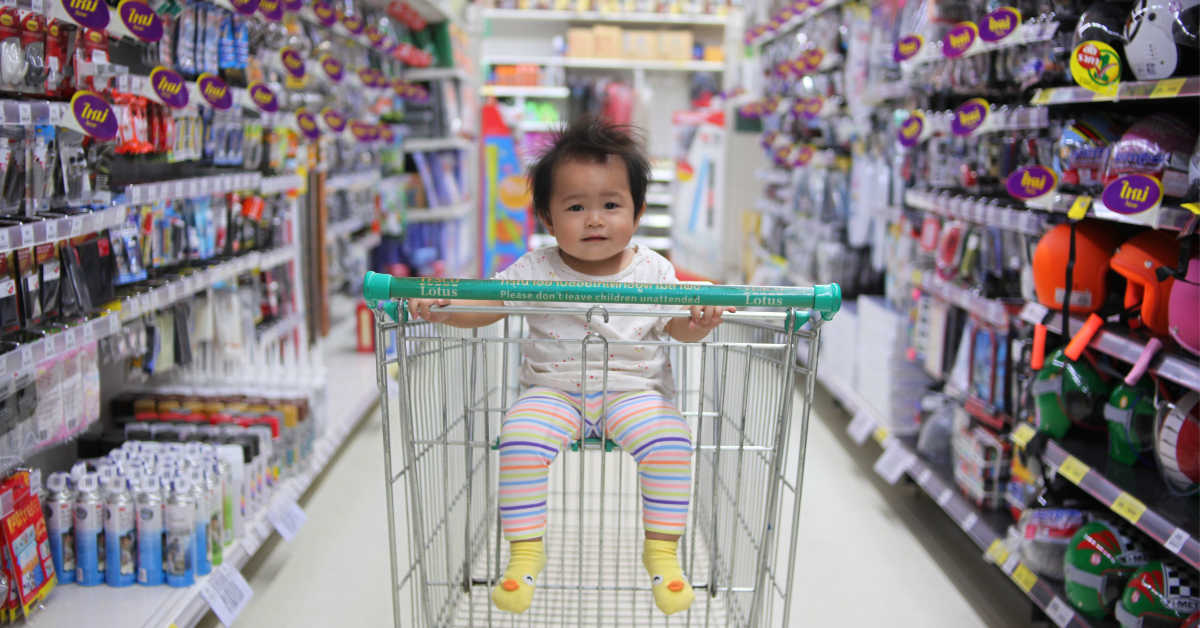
(445, 391)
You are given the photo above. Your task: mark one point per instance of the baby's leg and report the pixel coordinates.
(532, 433)
(649, 427)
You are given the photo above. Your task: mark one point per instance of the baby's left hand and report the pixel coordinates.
(707, 317)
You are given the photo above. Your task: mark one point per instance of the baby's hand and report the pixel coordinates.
(707, 317)
(423, 308)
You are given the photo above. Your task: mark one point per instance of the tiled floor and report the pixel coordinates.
(867, 557)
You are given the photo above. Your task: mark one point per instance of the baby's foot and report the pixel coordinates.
(515, 591)
(672, 592)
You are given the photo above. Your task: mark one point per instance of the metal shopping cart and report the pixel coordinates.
(743, 392)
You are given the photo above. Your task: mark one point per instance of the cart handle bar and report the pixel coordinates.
(825, 299)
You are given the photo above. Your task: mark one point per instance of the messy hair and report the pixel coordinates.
(591, 139)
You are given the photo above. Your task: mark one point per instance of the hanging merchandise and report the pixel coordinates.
(1160, 591)
(1130, 413)
(1094, 245)
(1068, 392)
(1100, 558)
(1161, 39)
(1138, 260)
(1177, 443)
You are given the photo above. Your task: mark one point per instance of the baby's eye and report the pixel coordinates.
(611, 205)
(575, 208)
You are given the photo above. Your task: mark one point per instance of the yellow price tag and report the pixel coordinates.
(1024, 577)
(1041, 96)
(1080, 207)
(1192, 207)
(1023, 434)
(1168, 88)
(997, 552)
(1129, 507)
(881, 434)
(1073, 469)
(916, 278)
(1105, 95)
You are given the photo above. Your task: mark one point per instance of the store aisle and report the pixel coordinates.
(868, 557)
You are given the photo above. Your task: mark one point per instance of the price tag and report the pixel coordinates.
(880, 434)
(944, 497)
(1079, 207)
(114, 324)
(27, 238)
(26, 357)
(1024, 578)
(1010, 564)
(923, 476)
(1178, 539)
(997, 552)
(77, 223)
(1059, 612)
(25, 113)
(1192, 207)
(1073, 469)
(893, 463)
(37, 6)
(227, 593)
(1168, 88)
(51, 229)
(69, 338)
(3, 238)
(1129, 507)
(55, 108)
(50, 346)
(1023, 434)
(860, 427)
(969, 521)
(178, 189)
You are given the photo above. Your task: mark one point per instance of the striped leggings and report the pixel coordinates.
(643, 423)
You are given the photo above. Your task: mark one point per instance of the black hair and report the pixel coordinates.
(591, 139)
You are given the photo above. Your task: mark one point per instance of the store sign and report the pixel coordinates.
(363, 131)
(1133, 194)
(1096, 66)
(969, 117)
(803, 155)
(1031, 182)
(812, 107)
(959, 40)
(325, 13)
(813, 58)
(271, 10)
(293, 62)
(386, 133)
(333, 68)
(141, 20)
(91, 14)
(94, 115)
(370, 77)
(911, 130)
(999, 24)
(245, 7)
(292, 6)
(308, 124)
(374, 36)
(907, 48)
(263, 97)
(214, 91)
(169, 86)
(353, 23)
(333, 119)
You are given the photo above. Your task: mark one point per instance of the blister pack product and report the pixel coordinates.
(12, 57)
(60, 41)
(185, 41)
(27, 546)
(33, 48)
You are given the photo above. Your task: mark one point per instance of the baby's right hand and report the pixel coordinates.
(423, 309)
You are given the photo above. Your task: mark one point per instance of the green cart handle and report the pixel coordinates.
(825, 299)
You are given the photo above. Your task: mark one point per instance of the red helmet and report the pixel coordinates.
(1095, 242)
(1138, 260)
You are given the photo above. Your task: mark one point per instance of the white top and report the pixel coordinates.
(557, 364)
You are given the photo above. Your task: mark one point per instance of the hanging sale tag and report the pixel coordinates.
(287, 517)
(861, 427)
(893, 463)
(227, 593)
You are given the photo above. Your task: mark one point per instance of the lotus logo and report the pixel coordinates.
(1133, 194)
(94, 115)
(1031, 182)
(92, 14)
(213, 91)
(87, 6)
(138, 18)
(959, 39)
(167, 86)
(306, 123)
(999, 24)
(908, 48)
(911, 128)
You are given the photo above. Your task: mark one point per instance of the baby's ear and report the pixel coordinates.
(546, 222)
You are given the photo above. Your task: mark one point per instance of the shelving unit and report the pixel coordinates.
(985, 529)
(435, 214)
(349, 401)
(415, 145)
(607, 64)
(592, 17)
(436, 74)
(522, 91)
(1182, 87)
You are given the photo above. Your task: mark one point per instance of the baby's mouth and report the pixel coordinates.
(594, 238)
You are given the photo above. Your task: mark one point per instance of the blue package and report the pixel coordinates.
(119, 537)
(150, 535)
(89, 533)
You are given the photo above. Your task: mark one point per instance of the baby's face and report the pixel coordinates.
(592, 214)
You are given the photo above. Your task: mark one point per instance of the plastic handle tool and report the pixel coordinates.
(1143, 362)
(1083, 338)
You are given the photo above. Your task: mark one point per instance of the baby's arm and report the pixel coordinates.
(424, 308)
(704, 319)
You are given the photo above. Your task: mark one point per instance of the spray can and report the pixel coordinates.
(89, 531)
(216, 513)
(149, 532)
(203, 547)
(179, 521)
(60, 504)
(119, 535)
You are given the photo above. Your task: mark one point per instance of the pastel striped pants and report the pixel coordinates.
(643, 423)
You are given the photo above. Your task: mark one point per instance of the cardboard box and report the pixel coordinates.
(714, 53)
(581, 42)
(609, 41)
(675, 45)
(641, 44)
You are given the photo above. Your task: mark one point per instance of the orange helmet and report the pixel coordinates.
(1138, 260)
(1095, 242)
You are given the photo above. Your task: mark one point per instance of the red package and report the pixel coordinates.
(26, 545)
(57, 42)
(92, 49)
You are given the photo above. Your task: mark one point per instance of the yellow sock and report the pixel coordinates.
(672, 592)
(515, 591)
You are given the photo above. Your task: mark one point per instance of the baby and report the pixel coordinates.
(589, 191)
